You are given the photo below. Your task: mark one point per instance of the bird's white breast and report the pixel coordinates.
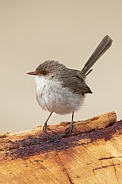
(52, 96)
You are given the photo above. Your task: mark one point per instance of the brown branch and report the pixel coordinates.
(92, 154)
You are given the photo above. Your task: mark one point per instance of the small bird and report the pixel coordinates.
(62, 90)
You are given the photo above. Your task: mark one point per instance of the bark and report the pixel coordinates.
(92, 154)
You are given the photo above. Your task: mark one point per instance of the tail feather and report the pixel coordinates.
(99, 51)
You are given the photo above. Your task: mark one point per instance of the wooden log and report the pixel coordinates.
(92, 154)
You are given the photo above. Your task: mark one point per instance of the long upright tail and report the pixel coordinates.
(99, 51)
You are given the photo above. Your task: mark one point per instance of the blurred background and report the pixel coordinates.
(32, 31)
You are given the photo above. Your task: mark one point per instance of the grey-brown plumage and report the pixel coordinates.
(70, 78)
(62, 90)
(75, 79)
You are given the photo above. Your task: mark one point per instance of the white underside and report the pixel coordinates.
(53, 97)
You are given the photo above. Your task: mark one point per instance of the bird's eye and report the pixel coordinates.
(44, 72)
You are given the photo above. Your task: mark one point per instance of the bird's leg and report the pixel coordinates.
(69, 129)
(45, 124)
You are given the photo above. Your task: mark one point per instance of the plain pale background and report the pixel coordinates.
(32, 31)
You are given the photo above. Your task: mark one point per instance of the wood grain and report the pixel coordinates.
(92, 154)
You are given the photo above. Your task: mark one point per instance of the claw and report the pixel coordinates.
(69, 129)
(45, 127)
(45, 124)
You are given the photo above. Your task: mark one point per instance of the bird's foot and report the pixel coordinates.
(45, 127)
(69, 129)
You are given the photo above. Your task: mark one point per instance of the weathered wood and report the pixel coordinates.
(92, 154)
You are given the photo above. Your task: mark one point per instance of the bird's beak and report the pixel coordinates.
(32, 73)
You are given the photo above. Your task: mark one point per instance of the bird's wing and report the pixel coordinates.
(75, 82)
